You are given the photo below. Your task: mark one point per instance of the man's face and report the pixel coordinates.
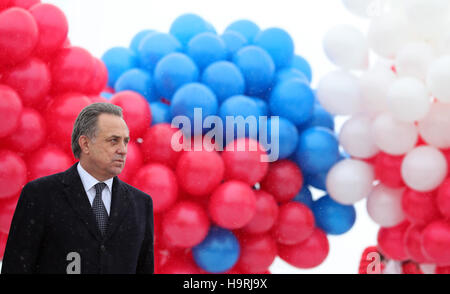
(108, 150)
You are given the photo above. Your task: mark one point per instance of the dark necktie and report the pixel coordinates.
(101, 215)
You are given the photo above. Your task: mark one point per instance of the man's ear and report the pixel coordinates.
(83, 141)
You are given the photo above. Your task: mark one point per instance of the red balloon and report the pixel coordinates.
(136, 112)
(232, 205)
(24, 3)
(388, 170)
(10, 110)
(3, 239)
(133, 162)
(442, 270)
(160, 183)
(157, 147)
(244, 161)
(447, 157)
(4, 4)
(185, 225)
(30, 134)
(72, 70)
(99, 79)
(47, 161)
(200, 172)
(13, 173)
(98, 99)
(180, 265)
(412, 242)
(30, 79)
(443, 198)
(283, 180)
(390, 241)
(18, 35)
(420, 207)
(436, 242)
(307, 254)
(295, 223)
(257, 253)
(265, 216)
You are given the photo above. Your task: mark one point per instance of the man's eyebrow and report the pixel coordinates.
(117, 137)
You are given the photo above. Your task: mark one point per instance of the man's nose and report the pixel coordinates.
(122, 149)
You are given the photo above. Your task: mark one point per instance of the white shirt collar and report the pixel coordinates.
(89, 181)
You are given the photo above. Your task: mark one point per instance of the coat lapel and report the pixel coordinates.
(119, 205)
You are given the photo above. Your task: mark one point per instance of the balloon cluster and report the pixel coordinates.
(228, 210)
(397, 134)
(44, 84)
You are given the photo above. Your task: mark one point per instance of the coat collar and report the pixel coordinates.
(76, 195)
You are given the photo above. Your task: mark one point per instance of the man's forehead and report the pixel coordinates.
(112, 124)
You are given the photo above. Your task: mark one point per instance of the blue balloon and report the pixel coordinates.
(278, 43)
(173, 71)
(218, 252)
(160, 113)
(154, 47)
(317, 181)
(191, 99)
(257, 67)
(290, 73)
(106, 95)
(210, 28)
(286, 137)
(233, 42)
(245, 107)
(136, 80)
(332, 217)
(319, 118)
(292, 99)
(224, 79)
(317, 150)
(263, 106)
(117, 61)
(246, 28)
(304, 196)
(206, 48)
(187, 26)
(302, 65)
(136, 41)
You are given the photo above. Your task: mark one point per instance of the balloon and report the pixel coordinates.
(136, 112)
(347, 47)
(5, 4)
(300, 63)
(187, 26)
(390, 241)
(356, 137)
(374, 85)
(248, 29)
(224, 79)
(154, 47)
(133, 162)
(257, 68)
(26, 4)
(360, 8)
(388, 170)
(433, 128)
(160, 183)
(278, 43)
(218, 252)
(295, 224)
(118, 60)
(10, 110)
(292, 99)
(179, 265)
(53, 28)
(30, 79)
(424, 168)
(257, 253)
(13, 173)
(18, 35)
(232, 205)
(245, 160)
(443, 198)
(263, 106)
(173, 71)
(436, 242)
(265, 216)
(290, 73)
(157, 146)
(349, 181)
(233, 42)
(136, 80)
(283, 180)
(100, 78)
(285, 137)
(384, 206)
(317, 181)
(420, 208)
(320, 118)
(414, 59)
(412, 242)
(333, 218)
(304, 196)
(200, 172)
(160, 113)
(437, 75)
(205, 49)
(185, 225)
(307, 254)
(46, 161)
(136, 41)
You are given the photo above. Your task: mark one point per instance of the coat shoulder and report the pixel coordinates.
(138, 194)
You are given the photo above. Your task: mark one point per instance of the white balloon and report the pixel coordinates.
(346, 46)
(424, 168)
(438, 78)
(374, 85)
(360, 8)
(349, 181)
(414, 59)
(356, 137)
(408, 99)
(393, 136)
(338, 92)
(435, 127)
(384, 206)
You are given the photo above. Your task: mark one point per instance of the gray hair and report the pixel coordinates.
(86, 123)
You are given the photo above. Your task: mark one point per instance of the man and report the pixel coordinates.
(84, 220)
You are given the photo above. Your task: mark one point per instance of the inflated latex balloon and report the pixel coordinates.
(390, 241)
(388, 170)
(384, 206)
(247, 28)
(374, 85)
(436, 241)
(295, 223)
(186, 26)
(433, 129)
(356, 137)
(46, 161)
(160, 113)
(300, 63)
(118, 60)
(278, 43)
(437, 77)
(332, 217)
(13, 173)
(154, 47)
(414, 59)
(266, 214)
(413, 246)
(136, 80)
(283, 180)
(205, 49)
(443, 198)
(233, 42)
(286, 136)
(136, 40)
(133, 162)
(305, 197)
(10, 110)
(257, 253)
(420, 208)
